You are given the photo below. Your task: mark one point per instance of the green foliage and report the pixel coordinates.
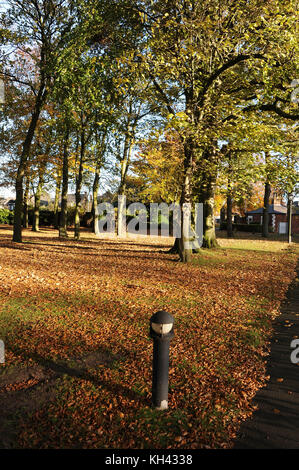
(6, 216)
(46, 217)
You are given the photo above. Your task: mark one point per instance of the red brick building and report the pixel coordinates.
(277, 218)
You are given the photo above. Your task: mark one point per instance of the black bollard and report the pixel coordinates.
(161, 330)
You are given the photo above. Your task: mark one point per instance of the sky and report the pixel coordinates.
(7, 193)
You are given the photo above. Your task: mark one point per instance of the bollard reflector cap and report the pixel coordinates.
(162, 329)
(162, 322)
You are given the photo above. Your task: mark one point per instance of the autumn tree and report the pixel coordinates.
(239, 170)
(159, 163)
(207, 62)
(287, 162)
(40, 29)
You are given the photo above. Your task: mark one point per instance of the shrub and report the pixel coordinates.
(87, 219)
(6, 216)
(46, 217)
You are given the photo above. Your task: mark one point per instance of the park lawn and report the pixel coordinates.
(75, 320)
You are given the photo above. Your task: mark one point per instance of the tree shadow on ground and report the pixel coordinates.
(80, 368)
(39, 381)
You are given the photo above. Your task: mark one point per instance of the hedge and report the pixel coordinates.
(252, 228)
(47, 217)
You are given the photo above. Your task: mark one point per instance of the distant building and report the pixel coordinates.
(11, 204)
(3, 202)
(277, 218)
(44, 203)
(84, 201)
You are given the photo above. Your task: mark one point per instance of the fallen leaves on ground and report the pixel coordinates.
(81, 310)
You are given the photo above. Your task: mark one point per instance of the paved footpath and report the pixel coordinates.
(275, 424)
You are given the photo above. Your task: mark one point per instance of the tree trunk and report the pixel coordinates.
(25, 206)
(95, 192)
(124, 165)
(121, 212)
(184, 245)
(209, 233)
(229, 218)
(56, 201)
(122, 194)
(229, 200)
(101, 147)
(222, 215)
(94, 209)
(265, 226)
(17, 229)
(35, 225)
(289, 215)
(64, 192)
(79, 180)
(175, 247)
(209, 237)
